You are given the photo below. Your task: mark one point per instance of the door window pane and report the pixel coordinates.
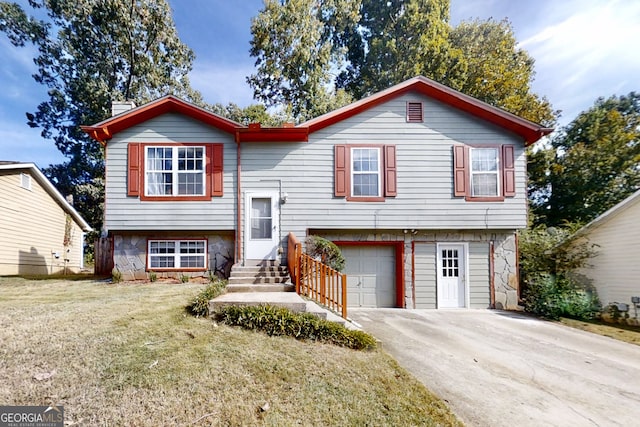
(261, 221)
(450, 263)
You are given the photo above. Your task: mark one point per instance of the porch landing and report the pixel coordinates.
(289, 300)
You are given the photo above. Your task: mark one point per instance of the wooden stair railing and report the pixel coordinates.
(316, 280)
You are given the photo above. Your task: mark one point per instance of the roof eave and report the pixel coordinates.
(105, 130)
(529, 131)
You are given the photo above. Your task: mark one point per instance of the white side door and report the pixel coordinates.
(451, 267)
(262, 219)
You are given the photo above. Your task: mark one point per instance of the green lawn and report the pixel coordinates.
(128, 354)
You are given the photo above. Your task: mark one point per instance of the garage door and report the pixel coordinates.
(370, 275)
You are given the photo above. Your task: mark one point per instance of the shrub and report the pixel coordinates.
(558, 296)
(116, 275)
(153, 276)
(276, 321)
(184, 278)
(199, 306)
(327, 251)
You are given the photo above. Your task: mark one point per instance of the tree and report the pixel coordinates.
(91, 52)
(594, 163)
(296, 43)
(301, 44)
(498, 72)
(399, 39)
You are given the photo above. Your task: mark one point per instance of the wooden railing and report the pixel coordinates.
(316, 280)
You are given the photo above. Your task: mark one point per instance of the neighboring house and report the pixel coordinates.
(421, 186)
(40, 232)
(615, 270)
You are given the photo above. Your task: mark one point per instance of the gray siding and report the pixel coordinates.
(478, 275)
(130, 213)
(425, 275)
(424, 167)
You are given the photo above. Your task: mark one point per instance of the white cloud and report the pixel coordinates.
(586, 50)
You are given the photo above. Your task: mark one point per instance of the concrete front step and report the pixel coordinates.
(264, 287)
(282, 270)
(240, 280)
(288, 300)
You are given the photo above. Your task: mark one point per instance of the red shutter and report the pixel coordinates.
(216, 155)
(390, 171)
(134, 160)
(341, 171)
(508, 171)
(460, 162)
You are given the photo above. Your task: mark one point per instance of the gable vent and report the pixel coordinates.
(414, 112)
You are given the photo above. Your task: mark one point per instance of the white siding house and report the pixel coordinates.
(40, 232)
(423, 188)
(615, 270)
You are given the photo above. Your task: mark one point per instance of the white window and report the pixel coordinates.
(365, 172)
(25, 181)
(484, 171)
(177, 254)
(175, 171)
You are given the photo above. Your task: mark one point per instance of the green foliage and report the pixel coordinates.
(591, 165)
(153, 276)
(293, 43)
(199, 306)
(548, 257)
(399, 39)
(303, 326)
(547, 250)
(327, 251)
(372, 45)
(116, 276)
(558, 296)
(87, 54)
(184, 278)
(498, 72)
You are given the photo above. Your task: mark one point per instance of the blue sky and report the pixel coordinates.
(583, 49)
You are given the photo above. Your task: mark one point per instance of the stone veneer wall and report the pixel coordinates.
(130, 256)
(505, 256)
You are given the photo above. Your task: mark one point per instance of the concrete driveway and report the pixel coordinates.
(504, 369)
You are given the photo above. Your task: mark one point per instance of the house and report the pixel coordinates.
(614, 270)
(421, 186)
(40, 232)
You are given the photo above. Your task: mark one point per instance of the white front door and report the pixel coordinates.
(451, 276)
(262, 235)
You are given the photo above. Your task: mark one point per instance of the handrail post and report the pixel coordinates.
(344, 296)
(323, 284)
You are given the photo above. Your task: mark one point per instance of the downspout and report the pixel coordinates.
(492, 284)
(238, 200)
(413, 272)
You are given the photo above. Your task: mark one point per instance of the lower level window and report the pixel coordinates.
(177, 254)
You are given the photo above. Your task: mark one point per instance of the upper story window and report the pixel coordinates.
(177, 254)
(175, 171)
(167, 171)
(484, 173)
(365, 173)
